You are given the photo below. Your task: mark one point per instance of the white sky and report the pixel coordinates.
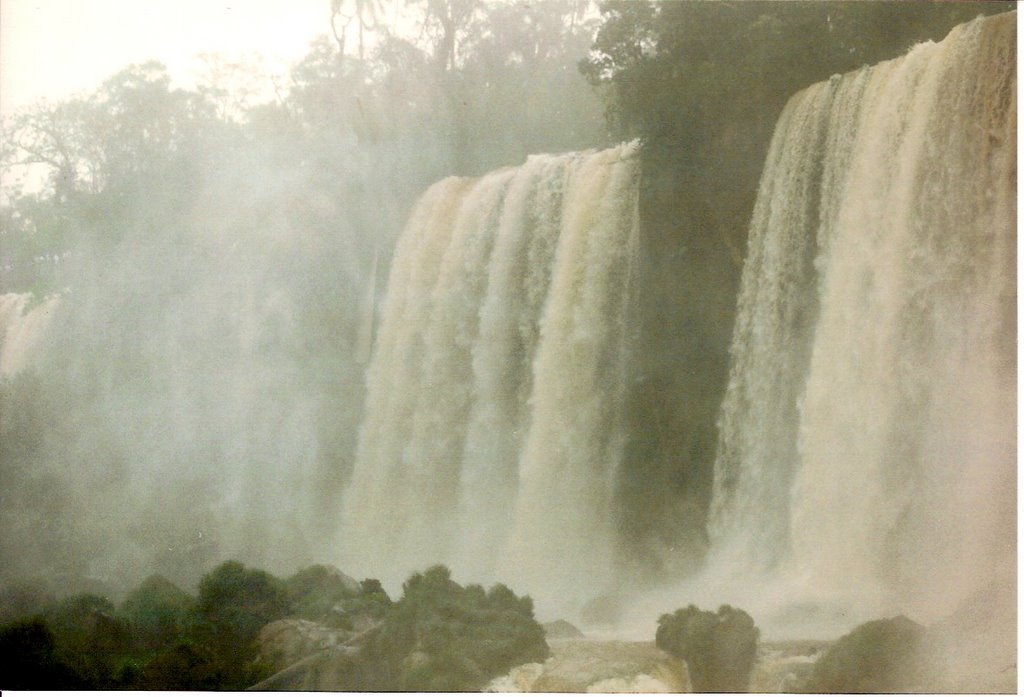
(55, 48)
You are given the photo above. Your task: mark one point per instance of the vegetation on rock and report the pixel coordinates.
(441, 636)
(438, 636)
(719, 648)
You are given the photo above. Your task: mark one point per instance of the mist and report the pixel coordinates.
(628, 306)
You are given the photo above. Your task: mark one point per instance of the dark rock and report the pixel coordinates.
(719, 649)
(285, 642)
(878, 656)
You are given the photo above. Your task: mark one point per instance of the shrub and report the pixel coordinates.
(90, 638)
(234, 603)
(237, 601)
(30, 659)
(441, 636)
(158, 612)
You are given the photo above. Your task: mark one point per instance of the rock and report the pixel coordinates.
(286, 642)
(719, 648)
(879, 656)
(317, 593)
(560, 629)
(331, 660)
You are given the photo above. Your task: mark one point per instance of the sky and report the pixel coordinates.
(55, 48)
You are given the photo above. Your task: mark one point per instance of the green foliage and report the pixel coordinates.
(158, 612)
(182, 666)
(441, 636)
(90, 638)
(878, 656)
(323, 594)
(719, 649)
(693, 69)
(30, 659)
(237, 601)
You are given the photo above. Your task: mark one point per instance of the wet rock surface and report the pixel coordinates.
(580, 665)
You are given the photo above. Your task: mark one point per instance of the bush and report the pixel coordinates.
(234, 603)
(30, 659)
(181, 667)
(158, 612)
(90, 638)
(719, 649)
(441, 636)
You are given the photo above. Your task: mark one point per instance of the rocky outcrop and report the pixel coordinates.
(879, 656)
(719, 648)
(285, 642)
(309, 656)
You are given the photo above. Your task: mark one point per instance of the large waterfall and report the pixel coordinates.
(493, 425)
(867, 438)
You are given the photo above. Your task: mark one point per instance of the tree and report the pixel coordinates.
(31, 661)
(363, 12)
(237, 601)
(234, 603)
(90, 638)
(158, 612)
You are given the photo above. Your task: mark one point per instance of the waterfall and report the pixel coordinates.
(493, 426)
(21, 328)
(867, 436)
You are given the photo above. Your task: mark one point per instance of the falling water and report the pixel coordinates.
(867, 438)
(493, 422)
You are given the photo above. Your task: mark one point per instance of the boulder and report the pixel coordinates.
(879, 656)
(286, 642)
(719, 648)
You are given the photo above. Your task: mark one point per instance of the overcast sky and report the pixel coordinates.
(55, 48)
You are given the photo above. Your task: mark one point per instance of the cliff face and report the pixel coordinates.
(693, 240)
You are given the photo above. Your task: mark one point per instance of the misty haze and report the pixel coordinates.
(621, 346)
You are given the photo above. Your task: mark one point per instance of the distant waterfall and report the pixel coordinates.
(21, 328)
(493, 427)
(867, 437)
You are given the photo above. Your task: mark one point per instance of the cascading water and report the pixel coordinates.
(867, 437)
(493, 425)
